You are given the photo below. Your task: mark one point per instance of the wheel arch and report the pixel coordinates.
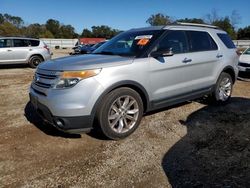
(230, 71)
(127, 83)
(39, 55)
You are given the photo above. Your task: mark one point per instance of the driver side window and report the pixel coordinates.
(175, 41)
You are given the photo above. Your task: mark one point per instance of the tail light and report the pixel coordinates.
(47, 48)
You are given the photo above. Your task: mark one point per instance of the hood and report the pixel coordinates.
(82, 62)
(244, 58)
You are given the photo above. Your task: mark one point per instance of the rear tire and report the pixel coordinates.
(120, 113)
(223, 89)
(34, 61)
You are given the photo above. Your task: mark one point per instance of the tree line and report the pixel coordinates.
(14, 26)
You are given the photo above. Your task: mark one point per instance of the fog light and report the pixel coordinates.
(59, 123)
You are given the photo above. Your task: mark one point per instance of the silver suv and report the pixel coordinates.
(15, 50)
(138, 71)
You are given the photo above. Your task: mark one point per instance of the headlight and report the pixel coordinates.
(71, 78)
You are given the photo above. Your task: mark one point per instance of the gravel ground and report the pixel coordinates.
(190, 145)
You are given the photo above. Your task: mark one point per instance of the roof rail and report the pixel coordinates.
(197, 25)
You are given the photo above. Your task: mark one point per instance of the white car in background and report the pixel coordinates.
(244, 61)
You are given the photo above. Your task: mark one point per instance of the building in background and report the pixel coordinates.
(91, 40)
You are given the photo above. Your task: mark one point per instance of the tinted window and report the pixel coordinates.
(175, 40)
(201, 41)
(20, 43)
(226, 40)
(5, 43)
(34, 42)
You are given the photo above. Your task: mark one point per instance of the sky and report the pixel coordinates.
(119, 14)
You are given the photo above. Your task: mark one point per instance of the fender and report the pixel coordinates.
(126, 83)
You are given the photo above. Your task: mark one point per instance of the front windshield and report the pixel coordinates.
(130, 43)
(247, 52)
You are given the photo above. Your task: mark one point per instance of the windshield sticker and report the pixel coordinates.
(143, 42)
(143, 37)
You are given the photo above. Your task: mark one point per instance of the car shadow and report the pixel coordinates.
(32, 116)
(14, 66)
(215, 152)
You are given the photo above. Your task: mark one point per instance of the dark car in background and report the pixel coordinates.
(87, 49)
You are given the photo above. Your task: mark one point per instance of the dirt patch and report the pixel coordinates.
(189, 145)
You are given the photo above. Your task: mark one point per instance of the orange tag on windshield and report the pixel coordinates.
(143, 42)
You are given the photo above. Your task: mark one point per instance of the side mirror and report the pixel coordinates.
(163, 53)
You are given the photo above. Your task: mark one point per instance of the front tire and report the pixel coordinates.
(120, 113)
(223, 89)
(35, 61)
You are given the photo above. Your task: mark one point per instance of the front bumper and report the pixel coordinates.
(244, 67)
(75, 124)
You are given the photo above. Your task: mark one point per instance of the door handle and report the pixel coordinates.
(219, 55)
(186, 60)
(9, 50)
(30, 49)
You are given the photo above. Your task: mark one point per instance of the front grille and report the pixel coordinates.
(45, 78)
(40, 84)
(51, 77)
(244, 64)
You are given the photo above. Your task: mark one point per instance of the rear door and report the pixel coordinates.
(189, 70)
(21, 49)
(206, 59)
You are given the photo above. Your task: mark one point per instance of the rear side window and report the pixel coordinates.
(226, 40)
(201, 41)
(34, 42)
(5, 43)
(20, 43)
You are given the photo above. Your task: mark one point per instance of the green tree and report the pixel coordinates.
(46, 34)
(68, 31)
(15, 20)
(37, 31)
(54, 27)
(158, 19)
(192, 20)
(1, 18)
(8, 29)
(86, 33)
(226, 25)
(244, 33)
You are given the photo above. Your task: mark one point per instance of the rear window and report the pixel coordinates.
(226, 40)
(34, 42)
(201, 41)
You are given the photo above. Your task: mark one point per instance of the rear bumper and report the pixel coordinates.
(75, 124)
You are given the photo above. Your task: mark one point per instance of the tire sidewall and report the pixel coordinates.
(104, 110)
(32, 59)
(216, 94)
